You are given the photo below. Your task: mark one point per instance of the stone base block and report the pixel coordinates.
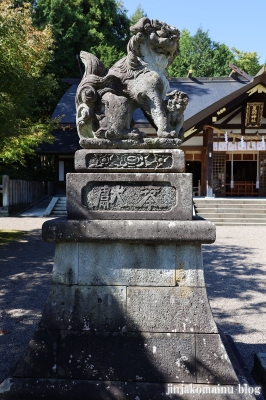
(127, 317)
(128, 264)
(127, 356)
(72, 389)
(136, 196)
(156, 357)
(259, 371)
(121, 308)
(40, 358)
(113, 160)
(93, 308)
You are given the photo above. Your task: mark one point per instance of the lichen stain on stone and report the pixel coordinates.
(185, 292)
(6, 385)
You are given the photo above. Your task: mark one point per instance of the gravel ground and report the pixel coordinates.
(235, 271)
(25, 271)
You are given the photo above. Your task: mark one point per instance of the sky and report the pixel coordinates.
(239, 24)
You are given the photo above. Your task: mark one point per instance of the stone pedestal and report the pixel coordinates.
(127, 315)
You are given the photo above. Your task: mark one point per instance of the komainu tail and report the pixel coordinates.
(93, 66)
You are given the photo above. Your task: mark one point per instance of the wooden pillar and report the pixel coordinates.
(208, 146)
(203, 172)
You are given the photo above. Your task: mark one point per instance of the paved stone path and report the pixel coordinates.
(235, 270)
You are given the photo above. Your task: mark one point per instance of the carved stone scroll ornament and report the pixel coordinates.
(128, 161)
(106, 101)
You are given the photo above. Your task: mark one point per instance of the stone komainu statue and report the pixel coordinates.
(106, 101)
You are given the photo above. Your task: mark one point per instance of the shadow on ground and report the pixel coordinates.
(25, 276)
(236, 290)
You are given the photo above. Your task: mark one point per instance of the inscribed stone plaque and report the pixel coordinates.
(179, 309)
(124, 196)
(129, 196)
(115, 160)
(127, 264)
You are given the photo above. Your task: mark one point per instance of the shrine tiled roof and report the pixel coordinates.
(206, 95)
(202, 93)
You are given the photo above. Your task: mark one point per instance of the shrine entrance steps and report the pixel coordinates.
(56, 207)
(231, 211)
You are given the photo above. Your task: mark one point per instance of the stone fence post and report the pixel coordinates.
(5, 190)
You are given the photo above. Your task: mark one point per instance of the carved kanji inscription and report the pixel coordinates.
(126, 196)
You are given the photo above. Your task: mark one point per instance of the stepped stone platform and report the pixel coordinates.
(228, 211)
(127, 315)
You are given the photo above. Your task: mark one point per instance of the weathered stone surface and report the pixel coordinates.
(184, 391)
(94, 160)
(183, 309)
(212, 362)
(61, 389)
(89, 308)
(129, 196)
(132, 264)
(161, 357)
(146, 143)
(70, 389)
(259, 370)
(137, 231)
(92, 355)
(65, 268)
(127, 264)
(40, 357)
(189, 267)
(130, 356)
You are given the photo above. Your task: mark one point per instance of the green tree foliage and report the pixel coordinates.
(247, 61)
(24, 90)
(201, 55)
(138, 14)
(99, 27)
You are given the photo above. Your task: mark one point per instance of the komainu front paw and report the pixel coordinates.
(165, 134)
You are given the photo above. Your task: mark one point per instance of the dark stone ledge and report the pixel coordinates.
(72, 389)
(61, 230)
